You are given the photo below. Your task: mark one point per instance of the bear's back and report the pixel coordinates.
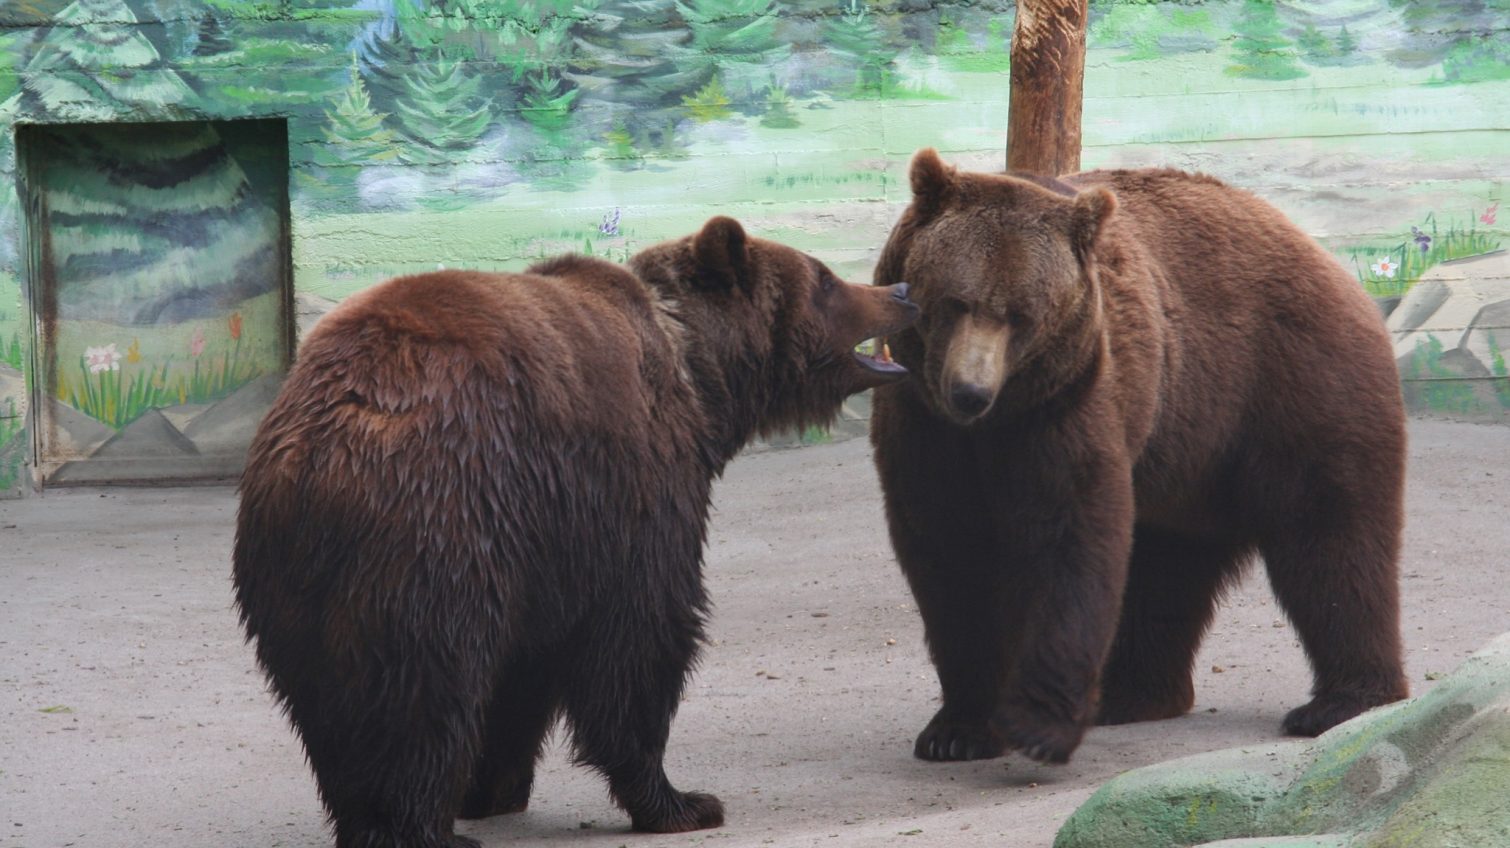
(1254, 316)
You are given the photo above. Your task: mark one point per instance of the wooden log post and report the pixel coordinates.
(1047, 87)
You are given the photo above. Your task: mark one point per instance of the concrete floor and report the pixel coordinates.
(134, 716)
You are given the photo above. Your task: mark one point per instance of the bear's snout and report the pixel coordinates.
(975, 366)
(969, 400)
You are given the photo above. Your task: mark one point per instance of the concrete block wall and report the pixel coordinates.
(488, 133)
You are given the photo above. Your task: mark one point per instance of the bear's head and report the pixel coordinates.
(770, 332)
(1004, 269)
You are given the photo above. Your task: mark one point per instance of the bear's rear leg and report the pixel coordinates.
(1338, 581)
(392, 737)
(625, 683)
(1172, 587)
(520, 716)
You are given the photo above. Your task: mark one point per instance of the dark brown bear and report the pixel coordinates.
(480, 502)
(1129, 384)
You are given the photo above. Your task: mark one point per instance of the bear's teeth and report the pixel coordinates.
(885, 352)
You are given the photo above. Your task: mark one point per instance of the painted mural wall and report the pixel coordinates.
(488, 133)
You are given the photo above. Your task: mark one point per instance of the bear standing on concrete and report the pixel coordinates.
(1129, 383)
(480, 502)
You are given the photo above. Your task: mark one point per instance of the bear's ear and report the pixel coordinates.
(1091, 211)
(722, 254)
(932, 182)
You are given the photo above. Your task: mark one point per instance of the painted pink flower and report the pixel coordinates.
(102, 358)
(196, 344)
(1488, 216)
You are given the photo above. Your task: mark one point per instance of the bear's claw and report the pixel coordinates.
(1045, 743)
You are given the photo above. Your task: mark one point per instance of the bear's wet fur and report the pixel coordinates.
(1127, 385)
(480, 500)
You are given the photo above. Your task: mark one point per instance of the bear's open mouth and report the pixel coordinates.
(875, 355)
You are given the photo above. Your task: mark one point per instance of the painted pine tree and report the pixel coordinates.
(856, 36)
(213, 38)
(441, 112)
(736, 40)
(93, 65)
(630, 62)
(383, 60)
(1347, 45)
(354, 133)
(1261, 50)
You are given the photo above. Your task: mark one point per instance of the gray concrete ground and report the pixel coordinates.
(134, 716)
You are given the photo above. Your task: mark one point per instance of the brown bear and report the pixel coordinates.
(1127, 384)
(480, 500)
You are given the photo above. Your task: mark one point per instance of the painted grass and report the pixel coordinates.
(1499, 368)
(118, 397)
(1434, 386)
(12, 447)
(142, 368)
(1455, 242)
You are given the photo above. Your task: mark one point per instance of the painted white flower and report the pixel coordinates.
(1386, 267)
(102, 358)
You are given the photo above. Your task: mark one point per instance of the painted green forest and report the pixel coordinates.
(548, 86)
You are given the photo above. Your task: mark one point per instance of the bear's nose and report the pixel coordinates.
(899, 291)
(969, 400)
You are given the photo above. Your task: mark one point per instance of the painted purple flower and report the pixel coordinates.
(102, 358)
(1422, 240)
(610, 225)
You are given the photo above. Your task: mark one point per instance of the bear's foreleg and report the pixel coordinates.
(523, 708)
(940, 530)
(1173, 585)
(623, 683)
(1065, 514)
(970, 626)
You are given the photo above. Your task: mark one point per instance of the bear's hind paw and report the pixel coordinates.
(1325, 712)
(692, 811)
(1045, 743)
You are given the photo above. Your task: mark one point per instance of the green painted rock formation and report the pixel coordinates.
(1431, 772)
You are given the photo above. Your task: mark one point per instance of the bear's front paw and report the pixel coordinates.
(946, 739)
(1038, 738)
(689, 811)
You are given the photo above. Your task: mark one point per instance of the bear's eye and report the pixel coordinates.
(1018, 320)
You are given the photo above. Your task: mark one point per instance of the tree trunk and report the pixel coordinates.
(1048, 81)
